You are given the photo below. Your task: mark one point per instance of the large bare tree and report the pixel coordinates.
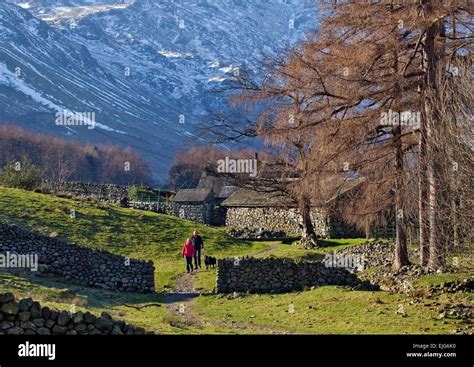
(363, 100)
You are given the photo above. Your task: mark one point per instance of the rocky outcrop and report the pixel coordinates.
(404, 279)
(380, 254)
(27, 317)
(400, 281)
(275, 275)
(460, 285)
(82, 265)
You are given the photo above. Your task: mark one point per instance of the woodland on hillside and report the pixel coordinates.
(64, 160)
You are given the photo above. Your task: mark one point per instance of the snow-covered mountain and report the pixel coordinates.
(147, 68)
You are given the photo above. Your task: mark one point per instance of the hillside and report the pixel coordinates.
(126, 232)
(134, 64)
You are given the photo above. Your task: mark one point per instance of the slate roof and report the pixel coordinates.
(226, 192)
(244, 197)
(342, 185)
(193, 196)
(218, 184)
(263, 198)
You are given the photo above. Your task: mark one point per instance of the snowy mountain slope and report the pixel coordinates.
(54, 12)
(50, 4)
(42, 71)
(139, 65)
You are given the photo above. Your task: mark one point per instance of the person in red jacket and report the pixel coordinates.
(188, 253)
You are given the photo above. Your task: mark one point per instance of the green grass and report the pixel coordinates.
(328, 310)
(288, 251)
(325, 310)
(436, 279)
(127, 232)
(462, 259)
(329, 245)
(331, 310)
(62, 296)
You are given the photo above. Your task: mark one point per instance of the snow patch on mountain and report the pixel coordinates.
(61, 13)
(10, 79)
(173, 54)
(25, 5)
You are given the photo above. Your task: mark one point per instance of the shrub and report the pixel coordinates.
(139, 193)
(22, 175)
(133, 192)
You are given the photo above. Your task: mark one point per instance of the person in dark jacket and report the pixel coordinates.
(188, 253)
(198, 244)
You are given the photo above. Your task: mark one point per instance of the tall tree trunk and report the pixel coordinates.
(368, 231)
(423, 199)
(401, 250)
(308, 234)
(436, 251)
(454, 221)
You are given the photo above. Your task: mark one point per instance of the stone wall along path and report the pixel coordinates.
(27, 317)
(82, 265)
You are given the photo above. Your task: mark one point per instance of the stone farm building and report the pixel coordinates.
(272, 211)
(203, 204)
(217, 203)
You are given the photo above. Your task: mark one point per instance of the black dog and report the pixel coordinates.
(210, 261)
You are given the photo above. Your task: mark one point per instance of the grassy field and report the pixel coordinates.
(330, 310)
(327, 310)
(127, 232)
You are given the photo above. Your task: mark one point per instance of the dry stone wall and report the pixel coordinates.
(373, 253)
(112, 194)
(273, 219)
(339, 229)
(27, 317)
(195, 213)
(163, 208)
(91, 267)
(275, 275)
(102, 192)
(253, 220)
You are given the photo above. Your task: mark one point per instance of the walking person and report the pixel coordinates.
(198, 244)
(188, 253)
